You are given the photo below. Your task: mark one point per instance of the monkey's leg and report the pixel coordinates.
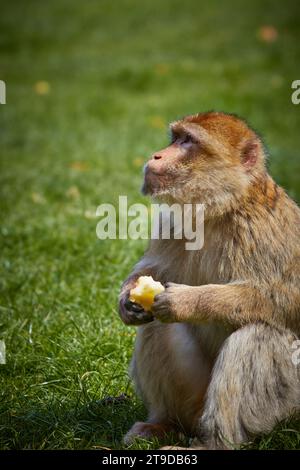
(254, 385)
(171, 374)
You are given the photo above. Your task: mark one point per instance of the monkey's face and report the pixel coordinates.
(168, 169)
(207, 162)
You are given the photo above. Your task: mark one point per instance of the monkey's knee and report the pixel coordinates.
(254, 385)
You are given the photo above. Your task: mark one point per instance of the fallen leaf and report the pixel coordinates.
(157, 122)
(79, 166)
(138, 162)
(37, 198)
(267, 33)
(88, 214)
(73, 192)
(42, 87)
(162, 69)
(101, 447)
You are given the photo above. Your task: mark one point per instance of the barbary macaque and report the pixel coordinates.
(213, 360)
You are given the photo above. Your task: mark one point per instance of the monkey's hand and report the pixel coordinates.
(132, 313)
(175, 303)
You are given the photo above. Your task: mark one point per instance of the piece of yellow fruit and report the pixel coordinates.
(145, 291)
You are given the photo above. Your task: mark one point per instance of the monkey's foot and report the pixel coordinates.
(146, 431)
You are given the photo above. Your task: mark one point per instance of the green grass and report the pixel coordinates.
(117, 72)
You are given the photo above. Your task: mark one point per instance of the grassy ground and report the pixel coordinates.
(117, 72)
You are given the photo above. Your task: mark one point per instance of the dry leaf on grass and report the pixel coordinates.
(162, 69)
(79, 166)
(37, 198)
(138, 162)
(267, 33)
(73, 192)
(42, 87)
(157, 122)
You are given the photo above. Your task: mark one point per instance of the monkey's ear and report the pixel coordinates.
(250, 153)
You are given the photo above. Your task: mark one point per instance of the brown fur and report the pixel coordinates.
(229, 310)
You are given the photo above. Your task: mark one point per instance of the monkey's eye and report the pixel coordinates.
(186, 139)
(182, 139)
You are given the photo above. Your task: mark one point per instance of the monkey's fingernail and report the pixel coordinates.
(136, 308)
(132, 306)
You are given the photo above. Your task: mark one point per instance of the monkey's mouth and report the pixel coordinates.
(154, 183)
(165, 184)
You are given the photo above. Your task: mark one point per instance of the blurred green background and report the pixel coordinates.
(91, 87)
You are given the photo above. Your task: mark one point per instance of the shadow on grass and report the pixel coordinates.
(55, 426)
(101, 425)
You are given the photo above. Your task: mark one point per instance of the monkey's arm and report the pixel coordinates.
(234, 303)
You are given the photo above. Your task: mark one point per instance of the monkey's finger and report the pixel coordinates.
(160, 308)
(133, 306)
(133, 317)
